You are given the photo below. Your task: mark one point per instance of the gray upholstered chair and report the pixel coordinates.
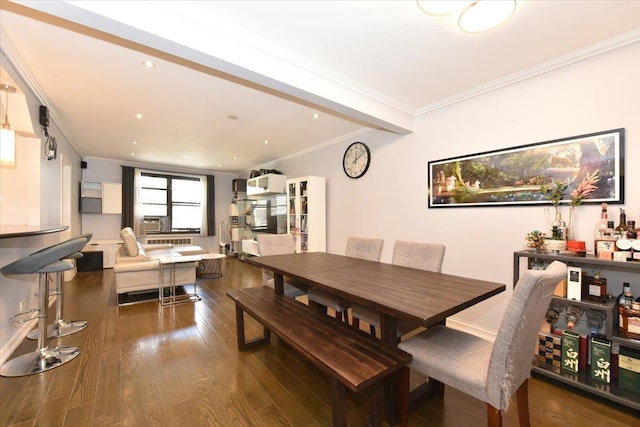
(491, 372)
(423, 256)
(357, 247)
(43, 263)
(279, 244)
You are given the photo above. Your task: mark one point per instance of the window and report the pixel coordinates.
(171, 203)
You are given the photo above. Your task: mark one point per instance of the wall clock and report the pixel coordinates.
(356, 160)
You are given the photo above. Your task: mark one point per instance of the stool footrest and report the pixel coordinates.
(24, 313)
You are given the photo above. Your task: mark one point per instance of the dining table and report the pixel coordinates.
(399, 294)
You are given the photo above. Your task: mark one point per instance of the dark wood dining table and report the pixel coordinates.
(397, 293)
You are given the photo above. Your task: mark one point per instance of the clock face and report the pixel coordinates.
(356, 160)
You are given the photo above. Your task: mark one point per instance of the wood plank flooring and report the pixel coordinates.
(142, 365)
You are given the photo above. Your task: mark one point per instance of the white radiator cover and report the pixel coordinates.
(177, 241)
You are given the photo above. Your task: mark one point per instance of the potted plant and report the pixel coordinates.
(536, 240)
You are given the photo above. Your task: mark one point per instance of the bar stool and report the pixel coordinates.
(60, 327)
(43, 263)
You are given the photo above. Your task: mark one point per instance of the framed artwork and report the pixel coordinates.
(521, 175)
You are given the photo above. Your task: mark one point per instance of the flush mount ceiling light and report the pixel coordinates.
(7, 135)
(484, 15)
(475, 16)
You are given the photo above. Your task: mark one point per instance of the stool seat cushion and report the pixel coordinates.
(37, 261)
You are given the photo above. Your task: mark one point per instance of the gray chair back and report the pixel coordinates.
(364, 248)
(274, 244)
(423, 256)
(36, 261)
(510, 363)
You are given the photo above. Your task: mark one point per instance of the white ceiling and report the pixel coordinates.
(358, 64)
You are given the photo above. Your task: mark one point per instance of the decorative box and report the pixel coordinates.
(629, 369)
(601, 359)
(550, 350)
(629, 323)
(570, 350)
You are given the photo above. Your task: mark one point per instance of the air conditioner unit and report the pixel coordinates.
(151, 225)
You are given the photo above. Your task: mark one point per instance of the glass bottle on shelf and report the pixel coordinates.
(595, 320)
(625, 303)
(600, 228)
(621, 230)
(632, 233)
(573, 316)
(553, 312)
(597, 290)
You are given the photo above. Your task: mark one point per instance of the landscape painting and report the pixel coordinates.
(521, 175)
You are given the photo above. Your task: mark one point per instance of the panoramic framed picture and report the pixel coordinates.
(522, 175)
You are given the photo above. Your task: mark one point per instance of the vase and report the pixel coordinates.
(570, 233)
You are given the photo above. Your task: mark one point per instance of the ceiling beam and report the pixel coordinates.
(223, 47)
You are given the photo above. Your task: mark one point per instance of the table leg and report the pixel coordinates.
(278, 280)
(338, 403)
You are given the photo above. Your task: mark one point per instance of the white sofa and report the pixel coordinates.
(137, 267)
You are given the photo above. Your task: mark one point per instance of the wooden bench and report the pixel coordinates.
(352, 359)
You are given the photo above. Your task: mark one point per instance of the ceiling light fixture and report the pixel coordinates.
(316, 115)
(475, 16)
(138, 116)
(7, 135)
(266, 141)
(148, 64)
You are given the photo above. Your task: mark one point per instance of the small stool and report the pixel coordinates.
(43, 263)
(60, 327)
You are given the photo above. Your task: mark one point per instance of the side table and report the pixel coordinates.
(210, 267)
(171, 297)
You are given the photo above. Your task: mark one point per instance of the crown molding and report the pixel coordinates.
(562, 61)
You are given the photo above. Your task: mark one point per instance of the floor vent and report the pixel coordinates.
(172, 240)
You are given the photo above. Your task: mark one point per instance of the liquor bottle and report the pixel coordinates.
(600, 228)
(632, 233)
(625, 302)
(597, 289)
(573, 316)
(621, 229)
(595, 319)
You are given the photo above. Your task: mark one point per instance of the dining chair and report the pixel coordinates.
(357, 247)
(279, 244)
(490, 372)
(423, 256)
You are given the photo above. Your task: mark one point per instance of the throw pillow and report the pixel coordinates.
(129, 240)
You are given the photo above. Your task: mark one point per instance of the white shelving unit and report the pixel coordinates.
(306, 213)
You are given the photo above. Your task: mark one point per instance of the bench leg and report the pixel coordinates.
(242, 342)
(338, 403)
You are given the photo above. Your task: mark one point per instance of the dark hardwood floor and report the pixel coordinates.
(178, 366)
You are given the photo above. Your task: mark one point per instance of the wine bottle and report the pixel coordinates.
(573, 316)
(600, 228)
(621, 230)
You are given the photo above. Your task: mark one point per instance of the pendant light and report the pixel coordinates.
(7, 135)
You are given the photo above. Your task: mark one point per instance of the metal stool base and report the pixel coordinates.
(60, 329)
(38, 361)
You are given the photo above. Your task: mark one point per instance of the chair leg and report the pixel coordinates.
(494, 416)
(372, 329)
(523, 404)
(356, 323)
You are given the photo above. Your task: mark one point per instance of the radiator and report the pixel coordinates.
(172, 240)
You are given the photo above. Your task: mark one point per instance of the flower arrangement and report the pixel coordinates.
(554, 192)
(535, 239)
(586, 187)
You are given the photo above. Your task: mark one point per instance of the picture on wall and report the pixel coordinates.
(520, 175)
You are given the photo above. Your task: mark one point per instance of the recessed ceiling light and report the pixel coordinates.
(266, 141)
(132, 154)
(235, 158)
(148, 64)
(134, 142)
(219, 166)
(138, 115)
(316, 115)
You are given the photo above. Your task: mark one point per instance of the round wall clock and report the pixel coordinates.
(356, 160)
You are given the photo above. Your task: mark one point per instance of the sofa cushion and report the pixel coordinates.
(130, 242)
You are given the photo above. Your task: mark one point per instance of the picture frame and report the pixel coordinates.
(520, 175)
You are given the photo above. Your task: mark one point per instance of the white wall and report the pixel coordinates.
(390, 201)
(42, 206)
(108, 226)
